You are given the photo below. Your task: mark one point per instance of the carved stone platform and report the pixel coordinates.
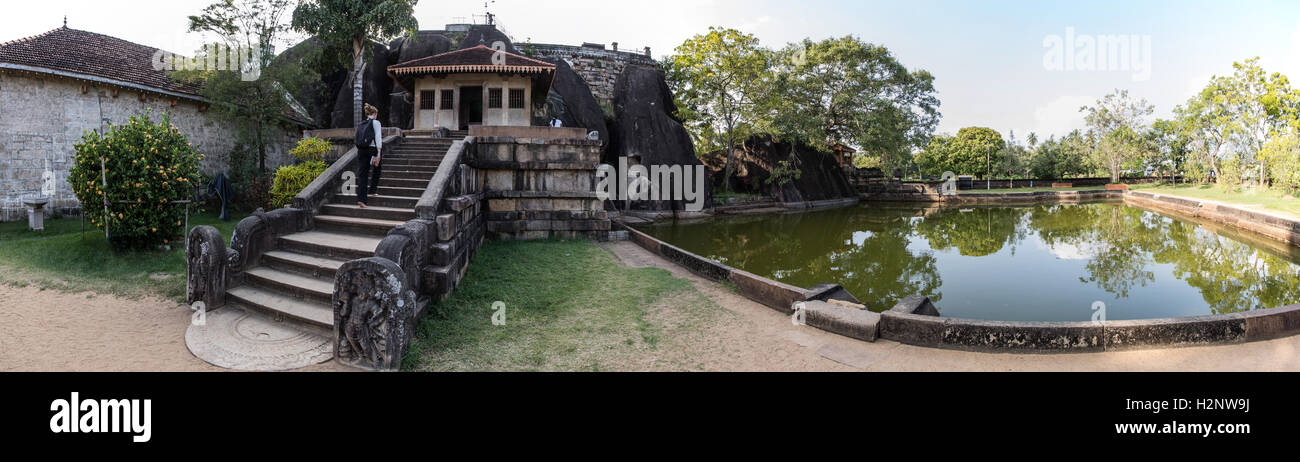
(236, 339)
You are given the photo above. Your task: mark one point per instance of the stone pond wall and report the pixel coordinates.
(915, 320)
(42, 118)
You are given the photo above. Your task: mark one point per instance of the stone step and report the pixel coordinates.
(302, 287)
(373, 211)
(276, 305)
(411, 166)
(409, 174)
(405, 192)
(436, 159)
(379, 200)
(327, 244)
(309, 265)
(368, 226)
(403, 182)
(423, 155)
(425, 139)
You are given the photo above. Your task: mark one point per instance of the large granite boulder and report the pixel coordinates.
(571, 101)
(373, 91)
(316, 97)
(820, 176)
(485, 35)
(644, 127)
(426, 43)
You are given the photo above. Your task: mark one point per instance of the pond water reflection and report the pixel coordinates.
(1031, 263)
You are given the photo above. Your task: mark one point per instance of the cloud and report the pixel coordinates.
(1060, 116)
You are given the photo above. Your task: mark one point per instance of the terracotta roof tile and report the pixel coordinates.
(82, 52)
(475, 59)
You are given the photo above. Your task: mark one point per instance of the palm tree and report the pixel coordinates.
(356, 22)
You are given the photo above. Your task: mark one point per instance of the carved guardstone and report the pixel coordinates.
(205, 267)
(374, 314)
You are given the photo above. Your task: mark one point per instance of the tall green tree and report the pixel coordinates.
(974, 151)
(1208, 121)
(844, 90)
(1117, 123)
(1263, 104)
(1061, 157)
(254, 107)
(356, 23)
(1173, 144)
(719, 77)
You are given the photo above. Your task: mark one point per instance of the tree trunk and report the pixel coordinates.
(358, 66)
(731, 154)
(261, 149)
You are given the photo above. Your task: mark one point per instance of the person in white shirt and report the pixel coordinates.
(369, 160)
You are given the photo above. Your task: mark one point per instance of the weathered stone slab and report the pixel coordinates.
(912, 329)
(699, 265)
(979, 335)
(915, 304)
(1184, 331)
(1272, 323)
(773, 294)
(849, 322)
(828, 291)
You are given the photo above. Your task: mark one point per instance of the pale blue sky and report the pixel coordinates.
(987, 56)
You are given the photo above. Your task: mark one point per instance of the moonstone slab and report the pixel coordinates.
(235, 339)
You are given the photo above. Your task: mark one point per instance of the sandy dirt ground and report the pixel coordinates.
(49, 330)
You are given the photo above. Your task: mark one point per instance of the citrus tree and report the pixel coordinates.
(127, 179)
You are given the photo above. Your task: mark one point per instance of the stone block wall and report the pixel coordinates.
(598, 66)
(42, 117)
(458, 231)
(538, 188)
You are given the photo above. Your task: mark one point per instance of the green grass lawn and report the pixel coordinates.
(1270, 199)
(978, 190)
(60, 258)
(568, 306)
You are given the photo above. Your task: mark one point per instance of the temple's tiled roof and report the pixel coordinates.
(475, 59)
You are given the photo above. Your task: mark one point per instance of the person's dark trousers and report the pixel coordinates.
(365, 183)
(375, 170)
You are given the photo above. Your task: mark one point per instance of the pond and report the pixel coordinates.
(1022, 263)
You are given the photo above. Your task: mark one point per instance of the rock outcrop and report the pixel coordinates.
(820, 175)
(571, 101)
(645, 127)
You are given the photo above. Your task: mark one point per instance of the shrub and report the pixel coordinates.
(145, 167)
(311, 149)
(783, 173)
(291, 179)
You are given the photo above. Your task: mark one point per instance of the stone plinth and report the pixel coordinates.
(540, 188)
(36, 212)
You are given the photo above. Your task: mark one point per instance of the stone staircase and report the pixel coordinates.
(295, 280)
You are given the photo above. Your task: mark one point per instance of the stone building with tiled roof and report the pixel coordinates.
(59, 84)
(474, 86)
